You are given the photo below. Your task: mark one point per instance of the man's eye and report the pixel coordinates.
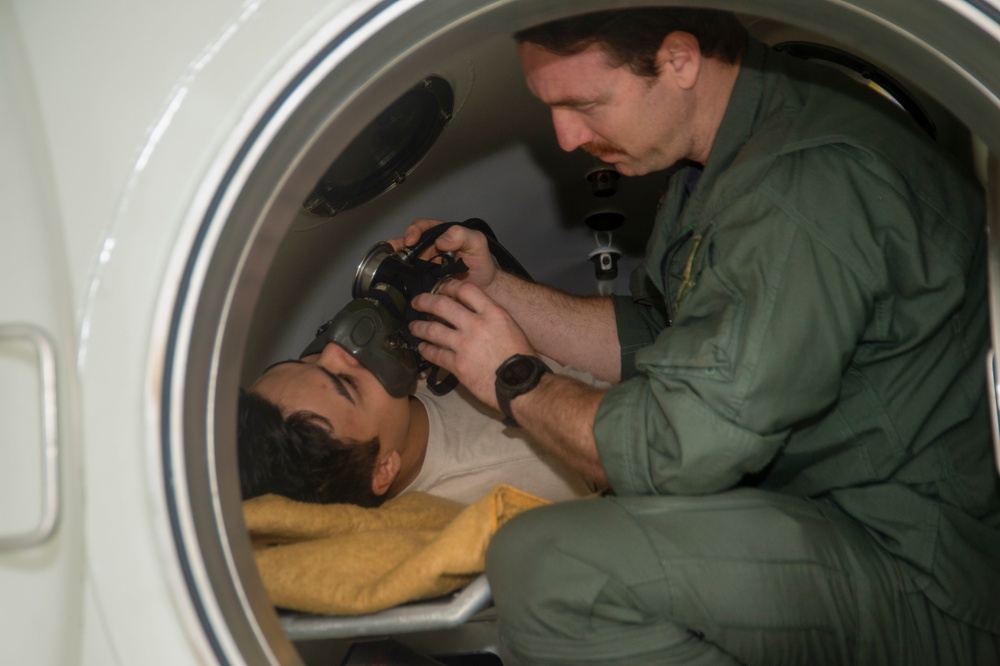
(347, 379)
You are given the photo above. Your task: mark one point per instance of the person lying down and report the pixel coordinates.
(323, 429)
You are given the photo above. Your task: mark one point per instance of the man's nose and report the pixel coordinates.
(571, 132)
(336, 356)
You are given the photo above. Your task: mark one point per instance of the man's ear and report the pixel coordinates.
(679, 58)
(386, 469)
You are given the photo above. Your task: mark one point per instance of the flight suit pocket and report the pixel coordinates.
(707, 314)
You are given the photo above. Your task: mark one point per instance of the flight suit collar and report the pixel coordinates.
(739, 121)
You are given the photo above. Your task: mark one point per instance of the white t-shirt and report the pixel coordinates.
(470, 450)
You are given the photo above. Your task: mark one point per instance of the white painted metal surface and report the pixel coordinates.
(41, 543)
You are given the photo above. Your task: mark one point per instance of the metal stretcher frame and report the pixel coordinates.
(443, 613)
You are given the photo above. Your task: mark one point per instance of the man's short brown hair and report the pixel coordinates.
(632, 37)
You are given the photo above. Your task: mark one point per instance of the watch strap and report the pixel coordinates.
(506, 392)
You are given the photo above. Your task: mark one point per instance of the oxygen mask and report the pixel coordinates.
(374, 326)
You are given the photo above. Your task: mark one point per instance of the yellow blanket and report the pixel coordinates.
(340, 559)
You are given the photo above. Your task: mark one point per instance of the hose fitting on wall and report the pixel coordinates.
(605, 257)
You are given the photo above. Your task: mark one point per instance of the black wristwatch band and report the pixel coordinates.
(516, 376)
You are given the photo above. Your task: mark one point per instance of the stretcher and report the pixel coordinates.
(436, 614)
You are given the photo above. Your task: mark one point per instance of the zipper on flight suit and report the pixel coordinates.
(668, 258)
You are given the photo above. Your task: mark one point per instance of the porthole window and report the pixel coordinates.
(386, 150)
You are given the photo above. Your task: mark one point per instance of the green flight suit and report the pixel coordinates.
(800, 446)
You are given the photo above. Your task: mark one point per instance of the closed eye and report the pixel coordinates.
(347, 379)
(340, 385)
(580, 104)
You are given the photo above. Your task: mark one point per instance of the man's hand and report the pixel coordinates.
(473, 336)
(573, 330)
(467, 244)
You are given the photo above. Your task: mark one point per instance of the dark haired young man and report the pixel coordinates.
(798, 438)
(323, 429)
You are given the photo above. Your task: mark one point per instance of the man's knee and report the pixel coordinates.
(572, 583)
(528, 542)
(540, 557)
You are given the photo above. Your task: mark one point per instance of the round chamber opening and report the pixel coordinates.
(497, 150)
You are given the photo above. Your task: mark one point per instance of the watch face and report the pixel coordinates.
(519, 371)
(516, 376)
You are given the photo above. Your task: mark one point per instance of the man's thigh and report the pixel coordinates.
(762, 577)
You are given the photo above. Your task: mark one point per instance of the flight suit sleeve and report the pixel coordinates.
(638, 324)
(759, 345)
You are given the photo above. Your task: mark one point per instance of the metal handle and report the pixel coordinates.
(50, 430)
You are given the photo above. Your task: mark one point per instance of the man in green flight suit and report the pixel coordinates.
(797, 437)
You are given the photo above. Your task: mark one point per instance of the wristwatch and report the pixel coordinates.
(516, 376)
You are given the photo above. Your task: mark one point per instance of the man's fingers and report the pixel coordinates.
(437, 355)
(456, 313)
(466, 293)
(441, 305)
(413, 232)
(436, 332)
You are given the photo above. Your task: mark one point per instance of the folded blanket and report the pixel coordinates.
(340, 559)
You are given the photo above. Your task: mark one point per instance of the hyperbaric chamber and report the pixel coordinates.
(274, 255)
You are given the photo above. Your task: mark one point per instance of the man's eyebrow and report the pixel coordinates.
(338, 383)
(277, 363)
(576, 101)
(570, 102)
